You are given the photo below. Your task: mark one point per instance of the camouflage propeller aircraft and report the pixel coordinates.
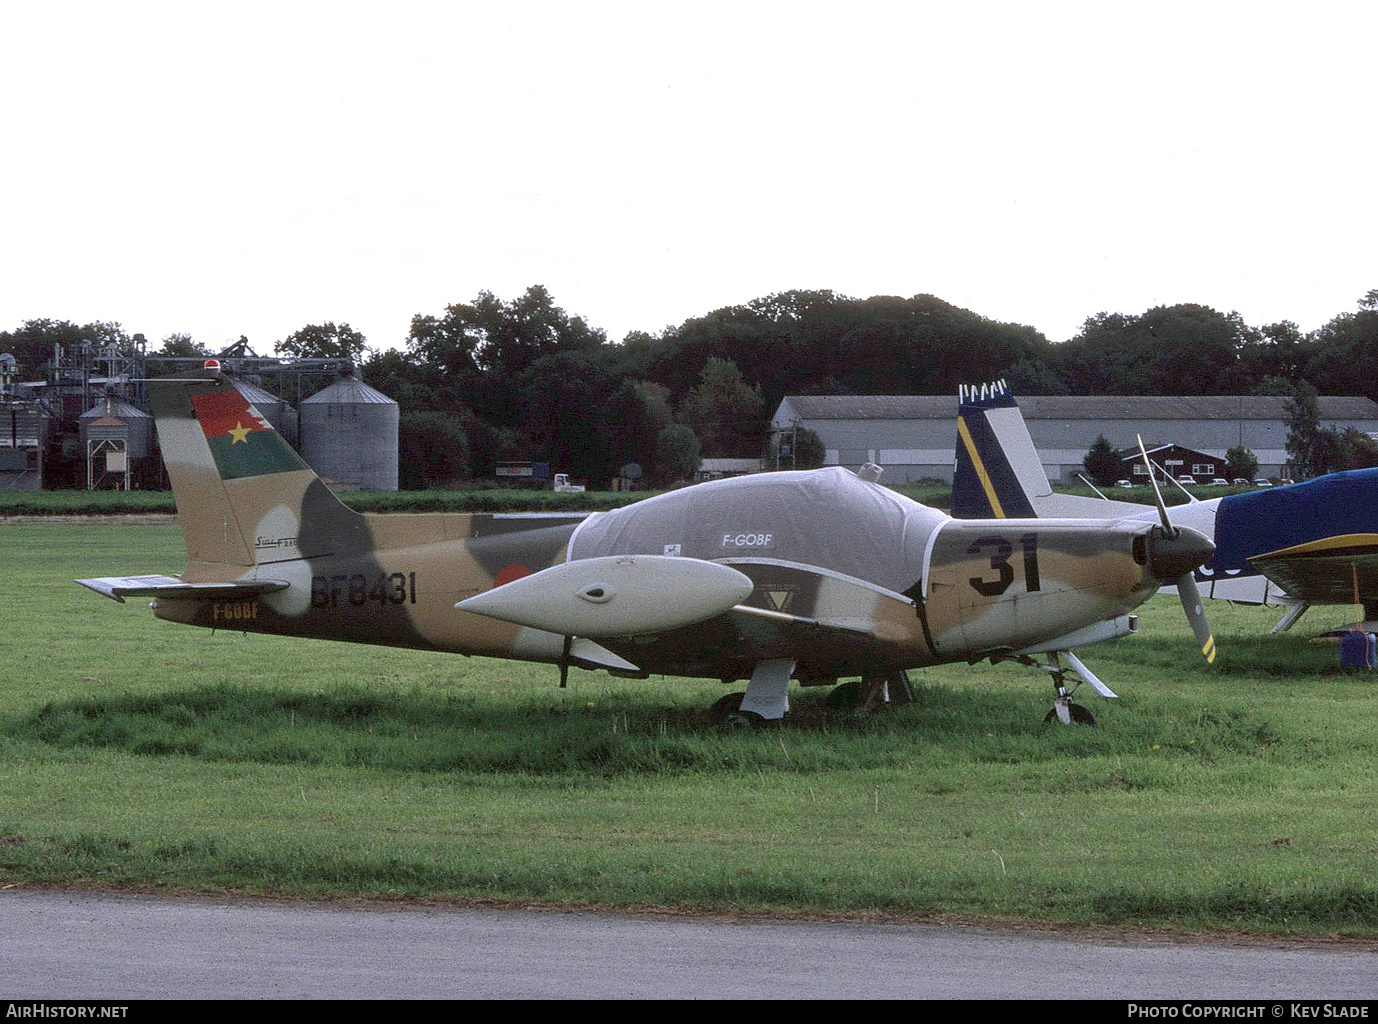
(815, 575)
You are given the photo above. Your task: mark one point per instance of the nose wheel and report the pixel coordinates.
(1065, 710)
(1069, 713)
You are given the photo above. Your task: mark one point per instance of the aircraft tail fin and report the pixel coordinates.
(244, 496)
(999, 474)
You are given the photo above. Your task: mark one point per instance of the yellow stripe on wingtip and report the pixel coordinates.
(1209, 650)
(1339, 540)
(980, 466)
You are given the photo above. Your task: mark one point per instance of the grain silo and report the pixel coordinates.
(349, 435)
(115, 438)
(273, 409)
(139, 424)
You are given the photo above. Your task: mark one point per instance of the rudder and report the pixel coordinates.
(244, 496)
(999, 473)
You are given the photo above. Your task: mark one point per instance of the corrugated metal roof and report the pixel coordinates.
(349, 391)
(730, 465)
(1078, 407)
(256, 396)
(873, 407)
(114, 407)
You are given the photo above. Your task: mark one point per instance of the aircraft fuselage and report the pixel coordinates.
(980, 588)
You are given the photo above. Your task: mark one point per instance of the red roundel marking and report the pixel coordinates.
(508, 573)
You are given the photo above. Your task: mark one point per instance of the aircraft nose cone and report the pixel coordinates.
(1171, 556)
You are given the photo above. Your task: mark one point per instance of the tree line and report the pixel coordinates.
(521, 379)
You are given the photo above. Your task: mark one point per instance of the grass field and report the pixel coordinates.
(137, 753)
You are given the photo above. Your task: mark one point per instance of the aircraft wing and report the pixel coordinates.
(1324, 571)
(722, 617)
(120, 587)
(828, 624)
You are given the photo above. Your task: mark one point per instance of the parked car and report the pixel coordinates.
(1239, 481)
(1220, 481)
(1186, 481)
(1262, 481)
(1123, 483)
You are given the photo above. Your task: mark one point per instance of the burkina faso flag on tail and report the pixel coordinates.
(241, 440)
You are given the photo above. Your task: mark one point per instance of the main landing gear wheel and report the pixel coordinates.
(872, 693)
(728, 714)
(725, 706)
(735, 720)
(845, 696)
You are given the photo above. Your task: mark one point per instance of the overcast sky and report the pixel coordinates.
(251, 168)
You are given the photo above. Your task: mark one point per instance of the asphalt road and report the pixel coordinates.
(64, 945)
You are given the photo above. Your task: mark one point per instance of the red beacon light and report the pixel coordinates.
(211, 364)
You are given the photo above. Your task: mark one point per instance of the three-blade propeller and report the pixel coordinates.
(1172, 550)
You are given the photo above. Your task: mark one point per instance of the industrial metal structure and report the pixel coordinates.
(115, 437)
(84, 424)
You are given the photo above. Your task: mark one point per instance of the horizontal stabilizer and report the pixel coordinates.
(618, 595)
(120, 587)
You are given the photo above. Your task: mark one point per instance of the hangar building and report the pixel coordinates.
(913, 437)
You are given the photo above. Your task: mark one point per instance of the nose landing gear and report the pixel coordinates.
(1064, 709)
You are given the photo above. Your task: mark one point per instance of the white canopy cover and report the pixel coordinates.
(826, 518)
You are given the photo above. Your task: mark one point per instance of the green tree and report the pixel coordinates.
(1356, 450)
(1307, 446)
(183, 346)
(446, 343)
(479, 349)
(1035, 377)
(809, 452)
(32, 344)
(325, 341)
(677, 454)
(1182, 349)
(513, 335)
(1102, 463)
(1273, 385)
(433, 449)
(795, 448)
(724, 411)
(1276, 352)
(637, 412)
(564, 418)
(1241, 463)
(411, 385)
(1316, 450)
(819, 342)
(1344, 360)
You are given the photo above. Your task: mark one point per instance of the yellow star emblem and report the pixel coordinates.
(240, 433)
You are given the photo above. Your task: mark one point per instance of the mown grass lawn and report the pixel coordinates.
(142, 754)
